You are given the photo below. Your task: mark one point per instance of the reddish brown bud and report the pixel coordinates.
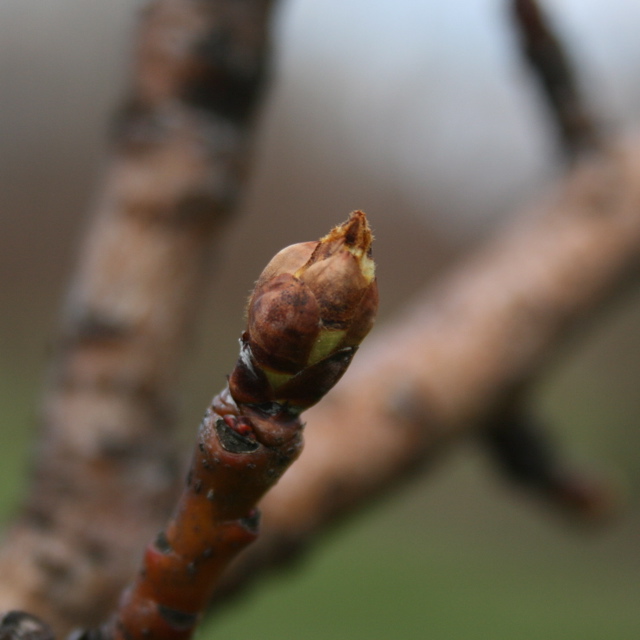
(311, 307)
(284, 322)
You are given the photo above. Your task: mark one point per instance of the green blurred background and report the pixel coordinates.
(421, 115)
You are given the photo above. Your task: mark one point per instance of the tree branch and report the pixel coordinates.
(106, 467)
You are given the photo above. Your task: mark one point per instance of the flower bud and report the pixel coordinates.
(310, 309)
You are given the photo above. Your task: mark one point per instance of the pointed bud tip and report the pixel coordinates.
(355, 233)
(311, 308)
(355, 236)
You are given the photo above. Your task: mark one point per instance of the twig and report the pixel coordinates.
(106, 461)
(550, 63)
(310, 310)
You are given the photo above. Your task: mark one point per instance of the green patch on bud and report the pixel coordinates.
(328, 341)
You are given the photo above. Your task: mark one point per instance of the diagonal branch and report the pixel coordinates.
(460, 353)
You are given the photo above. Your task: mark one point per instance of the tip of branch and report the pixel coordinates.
(354, 235)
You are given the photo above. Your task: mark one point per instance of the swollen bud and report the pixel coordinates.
(311, 307)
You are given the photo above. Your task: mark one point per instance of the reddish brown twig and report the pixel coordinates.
(310, 310)
(106, 458)
(550, 63)
(215, 519)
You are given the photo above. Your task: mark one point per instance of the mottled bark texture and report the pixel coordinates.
(460, 354)
(105, 468)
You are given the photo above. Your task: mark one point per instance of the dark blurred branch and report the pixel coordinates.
(107, 463)
(551, 64)
(524, 450)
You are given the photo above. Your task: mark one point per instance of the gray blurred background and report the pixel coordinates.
(422, 114)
